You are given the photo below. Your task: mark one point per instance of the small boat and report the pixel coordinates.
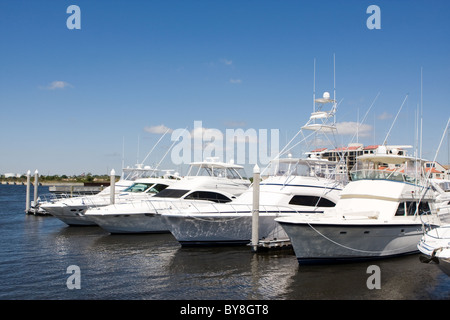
(209, 181)
(379, 214)
(435, 247)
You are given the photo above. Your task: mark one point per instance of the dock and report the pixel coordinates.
(78, 189)
(266, 245)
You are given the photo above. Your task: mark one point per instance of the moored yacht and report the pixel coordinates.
(379, 214)
(442, 189)
(208, 181)
(134, 182)
(435, 247)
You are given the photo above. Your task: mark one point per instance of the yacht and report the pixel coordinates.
(134, 182)
(435, 247)
(379, 214)
(294, 187)
(442, 189)
(209, 181)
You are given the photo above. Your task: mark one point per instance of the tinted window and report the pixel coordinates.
(210, 196)
(411, 207)
(400, 209)
(171, 193)
(157, 188)
(424, 207)
(311, 201)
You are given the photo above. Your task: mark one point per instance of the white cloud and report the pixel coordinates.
(236, 81)
(349, 128)
(55, 85)
(158, 129)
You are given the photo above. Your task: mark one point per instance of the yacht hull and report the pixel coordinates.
(220, 229)
(71, 215)
(435, 247)
(444, 265)
(316, 243)
(131, 223)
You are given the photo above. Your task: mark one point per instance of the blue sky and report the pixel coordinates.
(72, 100)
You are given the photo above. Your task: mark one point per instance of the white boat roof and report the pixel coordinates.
(386, 158)
(305, 161)
(155, 180)
(319, 126)
(216, 164)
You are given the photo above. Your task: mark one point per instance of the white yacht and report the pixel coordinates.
(435, 247)
(133, 181)
(295, 187)
(378, 215)
(442, 189)
(209, 181)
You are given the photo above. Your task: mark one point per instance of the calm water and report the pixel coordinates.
(36, 251)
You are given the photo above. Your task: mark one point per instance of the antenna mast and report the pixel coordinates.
(314, 87)
(334, 84)
(395, 119)
(421, 111)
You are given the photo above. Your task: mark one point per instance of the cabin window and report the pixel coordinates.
(311, 201)
(207, 195)
(157, 188)
(171, 193)
(401, 209)
(410, 208)
(424, 207)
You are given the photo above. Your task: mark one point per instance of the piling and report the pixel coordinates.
(113, 186)
(36, 185)
(27, 201)
(255, 211)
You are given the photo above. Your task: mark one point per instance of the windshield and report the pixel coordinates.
(138, 187)
(133, 174)
(157, 188)
(406, 172)
(312, 169)
(211, 171)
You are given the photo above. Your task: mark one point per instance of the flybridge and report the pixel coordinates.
(347, 156)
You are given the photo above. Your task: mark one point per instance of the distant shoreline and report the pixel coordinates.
(56, 183)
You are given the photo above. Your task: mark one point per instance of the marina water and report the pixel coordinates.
(36, 252)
